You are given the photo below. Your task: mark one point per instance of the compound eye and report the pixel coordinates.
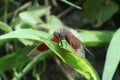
(56, 33)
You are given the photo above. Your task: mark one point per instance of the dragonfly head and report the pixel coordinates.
(59, 33)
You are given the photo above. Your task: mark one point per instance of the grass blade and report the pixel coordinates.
(113, 57)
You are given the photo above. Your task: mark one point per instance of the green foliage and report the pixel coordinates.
(5, 27)
(82, 65)
(97, 12)
(106, 12)
(95, 38)
(53, 23)
(28, 17)
(113, 57)
(28, 34)
(24, 29)
(3, 75)
(13, 59)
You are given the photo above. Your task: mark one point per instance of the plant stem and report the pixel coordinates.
(38, 58)
(5, 11)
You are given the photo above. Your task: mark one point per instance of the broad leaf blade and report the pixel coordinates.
(53, 23)
(106, 13)
(81, 65)
(32, 17)
(91, 8)
(95, 38)
(96, 13)
(113, 57)
(25, 33)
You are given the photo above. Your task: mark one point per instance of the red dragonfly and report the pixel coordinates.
(58, 36)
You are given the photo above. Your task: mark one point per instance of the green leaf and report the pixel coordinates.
(29, 18)
(33, 17)
(90, 10)
(27, 68)
(5, 27)
(22, 25)
(89, 38)
(39, 11)
(95, 38)
(25, 33)
(106, 13)
(53, 23)
(113, 57)
(81, 65)
(26, 42)
(71, 4)
(13, 59)
(3, 75)
(96, 13)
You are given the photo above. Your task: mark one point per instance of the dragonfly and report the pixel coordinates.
(77, 46)
(59, 35)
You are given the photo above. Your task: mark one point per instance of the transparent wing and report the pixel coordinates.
(77, 46)
(35, 51)
(80, 52)
(40, 48)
